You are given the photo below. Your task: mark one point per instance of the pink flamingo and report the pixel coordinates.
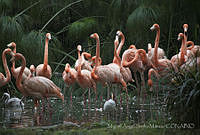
(126, 72)
(160, 64)
(156, 51)
(86, 64)
(32, 69)
(4, 80)
(15, 71)
(84, 77)
(44, 69)
(37, 86)
(106, 73)
(181, 58)
(69, 76)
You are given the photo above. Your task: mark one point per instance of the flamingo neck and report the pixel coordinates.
(182, 58)
(156, 46)
(121, 44)
(19, 78)
(79, 63)
(94, 76)
(128, 63)
(13, 63)
(8, 75)
(46, 54)
(97, 52)
(185, 45)
(117, 59)
(189, 43)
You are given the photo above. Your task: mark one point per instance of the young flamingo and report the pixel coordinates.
(4, 80)
(44, 69)
(36, 87)
(15, 71)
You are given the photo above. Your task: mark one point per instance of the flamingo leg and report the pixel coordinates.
(137, 87)
(144, 95)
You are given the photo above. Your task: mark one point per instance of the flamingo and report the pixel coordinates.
(160, 64)
(36, 86)
(153, 53)
(15, 71)
(150, 82)
(32, 69)
(86, 64)
(106, 73)
(44, 69)
(4, 80)
(128, 55)
(84, 78)
(12, 102)
(69, 76)
(181, 58)
(126, 72)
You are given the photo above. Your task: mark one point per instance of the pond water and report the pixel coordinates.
(79, 111)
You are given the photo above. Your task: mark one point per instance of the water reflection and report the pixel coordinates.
(78, 112)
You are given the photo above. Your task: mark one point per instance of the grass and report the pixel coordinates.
(115, 130)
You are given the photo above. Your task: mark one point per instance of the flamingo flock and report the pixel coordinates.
(88, 69)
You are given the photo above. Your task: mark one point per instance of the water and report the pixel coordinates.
(80, 113)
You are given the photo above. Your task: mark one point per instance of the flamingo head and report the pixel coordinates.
(149, 46)
(132, 47)
(48, 36)
(32, 68)
(67, 68)
(185, 27)
(79, 48)
(155, 26)
(119, 33)
(94, 35)
(12, 44)
(180, 36)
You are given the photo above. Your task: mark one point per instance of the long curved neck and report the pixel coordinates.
(182, 58)
(189, 43)
(46, 54)
(117, 59)
(79, 63)
(97, 52)
(156, 46)
(185, 46)
(8, 75)
(13, 63)
(128, 63)
(19, 78)
(121, 44)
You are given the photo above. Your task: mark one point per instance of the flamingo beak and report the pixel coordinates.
(92, 36)
(185, 29)
(9, 45)
(49, 37)
(118, 33)
(179, 37)
(152, 28)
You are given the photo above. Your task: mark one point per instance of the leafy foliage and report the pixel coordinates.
(184, 96)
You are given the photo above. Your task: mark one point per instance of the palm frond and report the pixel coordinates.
(80, 30)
